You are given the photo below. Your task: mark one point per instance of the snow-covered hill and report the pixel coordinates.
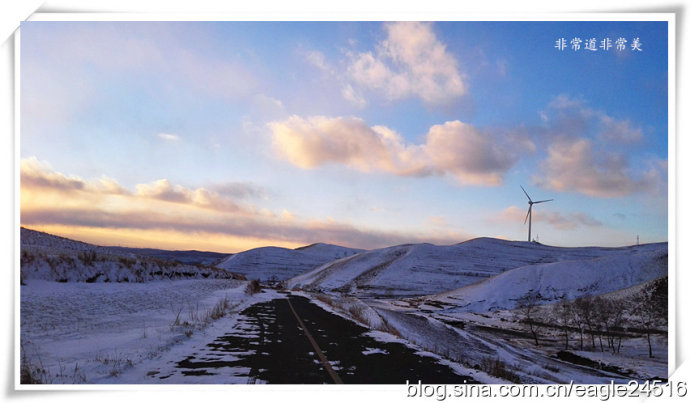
(30, 239)
(53, 258)
(182, 256)
(273, 263)
(424, 269)
(549, 281)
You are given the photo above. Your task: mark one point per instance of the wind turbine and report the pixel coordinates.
(529, 212)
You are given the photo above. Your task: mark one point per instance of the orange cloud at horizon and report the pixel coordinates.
(161, 239)
(163, 215)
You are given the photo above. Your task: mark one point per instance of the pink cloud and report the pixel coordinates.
(454, 148)
(410, 61)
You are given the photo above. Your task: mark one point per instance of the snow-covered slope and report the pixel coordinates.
(550, 281)
(31, 239)
(423, 269)
(182, 256)
(53, 258)
(280, 263)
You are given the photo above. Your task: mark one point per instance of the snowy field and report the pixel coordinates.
(93, 333)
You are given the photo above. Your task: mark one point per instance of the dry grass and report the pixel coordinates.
(116, 362)
(253, 287)
(325, 299)
(499, 369)
(198, 319)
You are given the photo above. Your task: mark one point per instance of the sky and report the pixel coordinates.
(227, 136)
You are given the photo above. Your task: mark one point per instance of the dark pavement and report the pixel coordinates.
(268, 340)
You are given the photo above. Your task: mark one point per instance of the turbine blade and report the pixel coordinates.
(529, 211)
(523, 189)
(542, 201)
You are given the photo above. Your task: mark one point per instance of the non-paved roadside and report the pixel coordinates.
(269, 345)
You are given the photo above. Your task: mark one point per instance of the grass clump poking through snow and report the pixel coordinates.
(325, 299)
(253, 287)
(220, 309)
(116, 362)
(32, 372)
(357, 313)
(197, 319)
(499, 369)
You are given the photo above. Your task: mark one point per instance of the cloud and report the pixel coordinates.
(453, 148)
(318, 60)
(567, 221)
(472, 157)
(50, 199)
(315, 141)
(239, 190)
(286, 215)
(591, 152)
(168, 137)
(619, 131)
(38, 177)
(576, 165)
(572, 117)
(410, 61)
(354, 97)
(437, 221)
(201, 197)
(38, 174)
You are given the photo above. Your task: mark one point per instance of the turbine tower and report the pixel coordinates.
(529, 212)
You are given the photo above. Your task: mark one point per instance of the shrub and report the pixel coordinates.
(88, 258)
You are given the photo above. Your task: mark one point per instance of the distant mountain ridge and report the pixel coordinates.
(182, 256)
(274, 263)
(29, 237)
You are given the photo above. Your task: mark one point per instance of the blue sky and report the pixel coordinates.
(231, 135)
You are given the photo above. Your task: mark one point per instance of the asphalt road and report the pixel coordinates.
(271, 343)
